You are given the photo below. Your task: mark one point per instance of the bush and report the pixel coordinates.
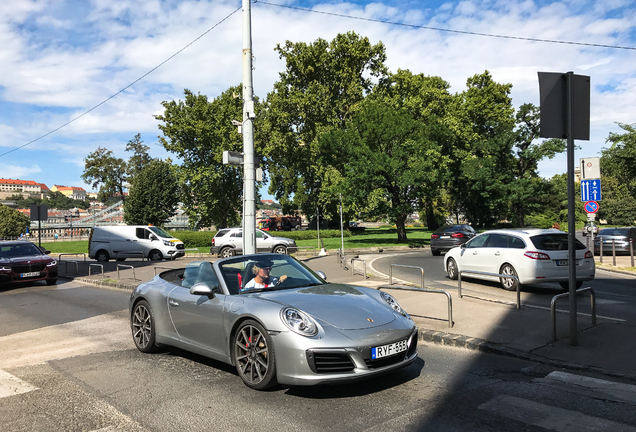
(194, 239)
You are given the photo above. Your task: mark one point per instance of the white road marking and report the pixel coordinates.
(11, 385)
(624, 392)
(549, 417)
(103, 333)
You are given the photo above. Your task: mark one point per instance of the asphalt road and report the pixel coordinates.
(67, 362)
(615, 292)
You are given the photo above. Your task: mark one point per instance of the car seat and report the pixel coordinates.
(191, 273)
(248, 274)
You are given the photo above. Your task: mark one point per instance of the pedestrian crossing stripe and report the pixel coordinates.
(11, 385)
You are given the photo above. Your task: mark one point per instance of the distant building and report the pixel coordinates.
(72, 192)
(25, 188)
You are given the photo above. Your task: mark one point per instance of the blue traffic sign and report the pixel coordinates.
(591, 190)
(591, 207)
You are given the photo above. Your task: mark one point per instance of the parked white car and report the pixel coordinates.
(533, 255)
(229, 242)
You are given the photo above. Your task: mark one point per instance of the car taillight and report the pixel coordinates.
(212, 242)
(457, 235)
(588, 254)
(434, 236)
(537, 255)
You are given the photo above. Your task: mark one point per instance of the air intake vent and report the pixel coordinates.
(329, 362)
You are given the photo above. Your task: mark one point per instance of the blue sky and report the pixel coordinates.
(60, 58)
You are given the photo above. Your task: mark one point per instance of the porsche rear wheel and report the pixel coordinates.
(142, 323)
(253, 353)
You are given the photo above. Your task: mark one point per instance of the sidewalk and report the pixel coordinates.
(607, 348)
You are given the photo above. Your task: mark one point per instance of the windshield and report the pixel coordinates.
(266, 272)
(19, 250)
(613, 232)
(159, 232)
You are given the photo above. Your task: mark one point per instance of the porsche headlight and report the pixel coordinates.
(299, 322)
(393, 303)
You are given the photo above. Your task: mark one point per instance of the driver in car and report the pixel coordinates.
(262, 278)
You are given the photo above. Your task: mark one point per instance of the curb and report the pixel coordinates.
(481, 345)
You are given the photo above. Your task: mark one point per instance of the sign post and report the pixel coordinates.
(565, 113)
(39, 213)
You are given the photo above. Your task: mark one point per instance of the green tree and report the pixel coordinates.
(153, 197)
(139, 159)
(526, 190)
(105, 172)
(619, 160)
(383, 150)
(480, 171)
(12, 222)
(318, 90)
(198, 131)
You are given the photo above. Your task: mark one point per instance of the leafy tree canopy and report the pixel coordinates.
(153, 197)
(12, 222)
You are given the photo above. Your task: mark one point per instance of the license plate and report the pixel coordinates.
(388, 350)
(564, 262)
(30, 274)
(445, 237)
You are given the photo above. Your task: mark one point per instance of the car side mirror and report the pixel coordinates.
(153, 238)
(322, 275)
(463, 246)
(202, 288)
(46, 252)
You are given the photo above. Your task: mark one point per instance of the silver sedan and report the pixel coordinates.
(275, 320)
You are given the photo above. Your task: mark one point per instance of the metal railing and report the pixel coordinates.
(631, 251)
(165, 268)
(567, 294)
(193, 249)
(427, 290)
(353, 266)
(95, 265)
(69, 254)
(405, 266)
(143, 256)
(127, 266)
(514, 278)
(66, 263)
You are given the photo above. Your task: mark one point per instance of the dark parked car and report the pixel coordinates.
(22, 261)
(447, 237)
(620, 236)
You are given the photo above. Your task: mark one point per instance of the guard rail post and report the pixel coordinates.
(406, 266)
(353, 266)
(558, 296)
(614, 252)
(165, 268)
(515, 278)
(95, 265)
(428, 290)
(66, 267)
(631, 250)
(127, 266)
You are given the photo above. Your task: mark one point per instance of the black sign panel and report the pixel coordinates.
(553, 97)
(39, 212)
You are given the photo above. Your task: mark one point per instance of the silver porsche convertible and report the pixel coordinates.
(275, 320)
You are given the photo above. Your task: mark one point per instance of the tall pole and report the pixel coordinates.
(341, 227)
(249, 215)
(571, 210)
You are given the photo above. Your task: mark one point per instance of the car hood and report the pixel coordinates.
(283, 239)
(26, 259)
(339, 305)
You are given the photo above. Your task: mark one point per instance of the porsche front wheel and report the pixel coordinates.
(142, 324)
(253, 353)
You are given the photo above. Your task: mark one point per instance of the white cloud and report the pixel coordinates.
(18, 172)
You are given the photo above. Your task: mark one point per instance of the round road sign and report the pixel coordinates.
(591, 207)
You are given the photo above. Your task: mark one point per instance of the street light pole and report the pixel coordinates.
(249, 216)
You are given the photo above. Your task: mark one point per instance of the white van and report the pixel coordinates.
(121, 242)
